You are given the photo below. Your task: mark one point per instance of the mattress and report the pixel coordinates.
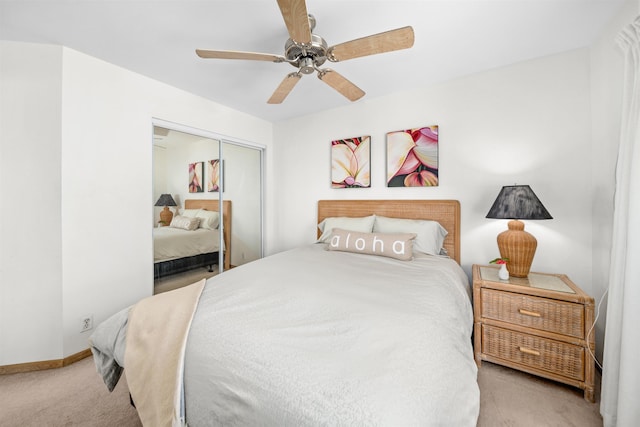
(316, 337)
(173, 243)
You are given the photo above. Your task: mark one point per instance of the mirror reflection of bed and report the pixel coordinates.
(188, 249)
(175, 148)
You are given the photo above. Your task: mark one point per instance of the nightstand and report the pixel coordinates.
(538, 324)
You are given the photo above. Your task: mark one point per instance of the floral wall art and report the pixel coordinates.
(213, 175)
(195, 177)
(350, 162)
(412, 157)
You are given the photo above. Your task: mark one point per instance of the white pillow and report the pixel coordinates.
(189, 213)
(208, 219)
(362, 224)
(185, 223)
(430, 234)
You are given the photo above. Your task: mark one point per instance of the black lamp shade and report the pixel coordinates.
(518, 202)
(166, 200)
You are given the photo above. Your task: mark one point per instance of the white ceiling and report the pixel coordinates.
(158, 39)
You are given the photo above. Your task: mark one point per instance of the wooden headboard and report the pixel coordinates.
(214, 205)
(446, 212)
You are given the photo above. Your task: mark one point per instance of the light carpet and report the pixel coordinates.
(76, 396)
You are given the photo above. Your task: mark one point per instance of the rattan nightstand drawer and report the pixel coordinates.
(561, 317)
(541, 324)
(552, 356)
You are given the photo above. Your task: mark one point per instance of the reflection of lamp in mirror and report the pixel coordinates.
(516, 202)
(166, 215)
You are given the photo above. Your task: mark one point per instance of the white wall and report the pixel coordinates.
(606, 111)
(30, 210)
(104, 140)
(528, 123)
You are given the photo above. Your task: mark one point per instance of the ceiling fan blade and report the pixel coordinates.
(232, 54)
(296, 19)
(341, 84)
(285, 87)
(400, 38)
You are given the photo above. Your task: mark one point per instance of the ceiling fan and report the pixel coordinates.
(307, 51)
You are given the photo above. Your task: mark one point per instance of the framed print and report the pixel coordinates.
(195, 177)
(412, 157)
(350, 162)
(213, 175)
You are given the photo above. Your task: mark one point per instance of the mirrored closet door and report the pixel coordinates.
(207, 194)
(242, 187)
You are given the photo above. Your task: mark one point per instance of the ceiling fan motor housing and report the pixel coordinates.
(306, 57)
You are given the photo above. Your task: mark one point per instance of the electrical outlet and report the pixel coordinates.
(86, 323)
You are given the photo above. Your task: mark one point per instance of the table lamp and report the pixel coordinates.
(516, 202)
(166, 215)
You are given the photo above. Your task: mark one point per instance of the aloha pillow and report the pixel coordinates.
(362, 224)
(185, 223)
(208, 219)
(429, 234)
(392, 245)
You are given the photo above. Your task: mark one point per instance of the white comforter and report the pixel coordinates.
(171, 243)
(311, 337)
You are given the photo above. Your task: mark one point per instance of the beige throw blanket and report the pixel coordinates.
(154, 358)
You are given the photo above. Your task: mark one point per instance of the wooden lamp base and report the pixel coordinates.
(166, 216)
(519, 247)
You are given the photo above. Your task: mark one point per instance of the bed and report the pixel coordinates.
(315, 335)
(177, 250)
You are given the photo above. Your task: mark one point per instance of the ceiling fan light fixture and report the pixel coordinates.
(306, 65)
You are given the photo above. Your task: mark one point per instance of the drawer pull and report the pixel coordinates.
(529, 351)
(528, 313)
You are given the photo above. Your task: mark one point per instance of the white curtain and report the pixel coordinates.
(620, 403)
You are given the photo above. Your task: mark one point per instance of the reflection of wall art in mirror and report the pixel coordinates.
(351, 162)
(195, 177)
(213, 176)
(412, 157)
